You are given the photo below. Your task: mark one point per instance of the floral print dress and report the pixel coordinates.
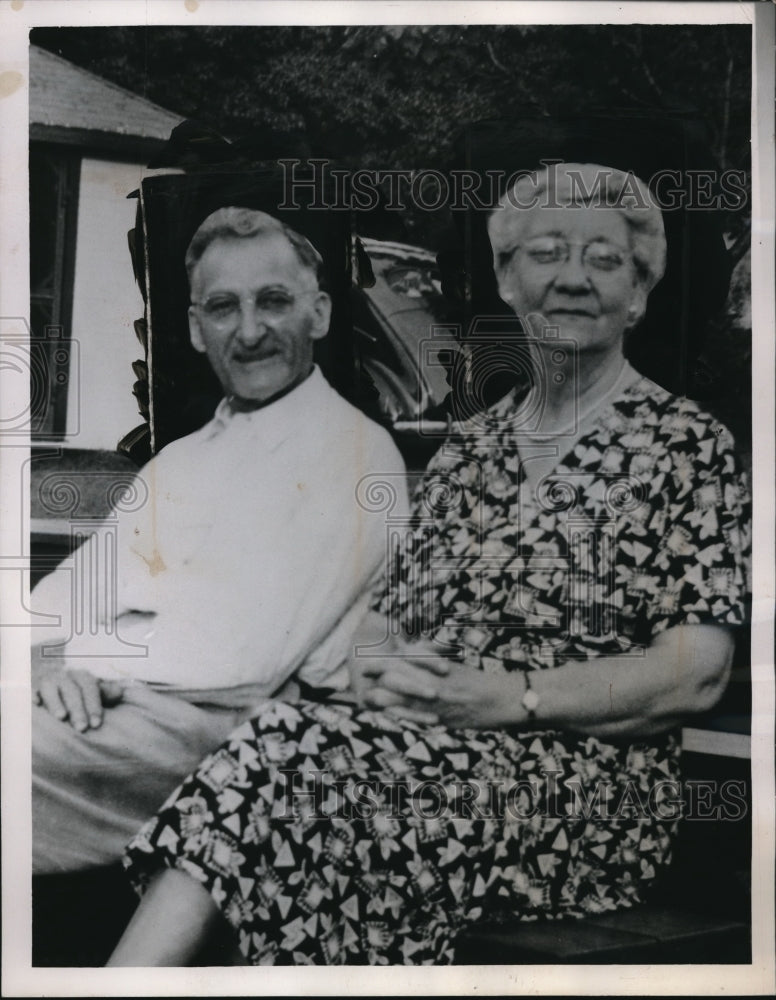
(328, 834)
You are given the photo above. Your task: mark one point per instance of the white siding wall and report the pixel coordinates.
(106, 301)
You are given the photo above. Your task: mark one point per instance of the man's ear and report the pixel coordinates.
(195, 331)
(321, 316)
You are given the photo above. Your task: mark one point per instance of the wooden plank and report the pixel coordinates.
(644, 934)
(667, 923)
(717, 743)
(548, 940)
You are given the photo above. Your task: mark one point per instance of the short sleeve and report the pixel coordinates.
(702, 561)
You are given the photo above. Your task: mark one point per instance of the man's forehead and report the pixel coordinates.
(267, 256)
(264, 245)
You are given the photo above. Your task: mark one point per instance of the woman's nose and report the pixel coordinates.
(572, 272)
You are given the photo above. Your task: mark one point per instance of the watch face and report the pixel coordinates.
(530, 701)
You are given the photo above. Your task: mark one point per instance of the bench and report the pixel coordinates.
(653, 933)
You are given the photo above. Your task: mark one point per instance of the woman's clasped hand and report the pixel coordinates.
(417, 683)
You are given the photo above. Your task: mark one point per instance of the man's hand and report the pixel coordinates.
(73, 695)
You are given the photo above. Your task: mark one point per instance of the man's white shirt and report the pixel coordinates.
(251, 560)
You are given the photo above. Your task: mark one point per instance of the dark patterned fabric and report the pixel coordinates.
(330, 835)
(642, 526)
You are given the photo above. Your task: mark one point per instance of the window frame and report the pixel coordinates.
(49, 414)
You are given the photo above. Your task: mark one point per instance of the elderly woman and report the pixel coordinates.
(566, 596)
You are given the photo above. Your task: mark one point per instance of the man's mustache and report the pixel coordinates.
(262, 353)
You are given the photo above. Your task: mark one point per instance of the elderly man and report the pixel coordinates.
(243, 574)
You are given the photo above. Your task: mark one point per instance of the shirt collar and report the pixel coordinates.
(275, 423)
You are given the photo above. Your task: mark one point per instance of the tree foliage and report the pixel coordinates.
(387, 97)
(392, 96)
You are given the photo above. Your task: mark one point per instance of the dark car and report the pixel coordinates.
(402, 341)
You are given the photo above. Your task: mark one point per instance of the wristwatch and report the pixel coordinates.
(530, 700)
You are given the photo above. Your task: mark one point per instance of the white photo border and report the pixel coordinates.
(19, 977)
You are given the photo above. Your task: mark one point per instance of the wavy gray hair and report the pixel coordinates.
(585, 184)
(244, 223)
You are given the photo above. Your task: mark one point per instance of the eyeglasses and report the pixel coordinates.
(598, 255)
(224, 309)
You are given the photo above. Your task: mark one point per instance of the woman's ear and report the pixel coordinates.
(638, 306)
(505, 292)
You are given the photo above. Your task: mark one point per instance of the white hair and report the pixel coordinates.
(577, 184)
